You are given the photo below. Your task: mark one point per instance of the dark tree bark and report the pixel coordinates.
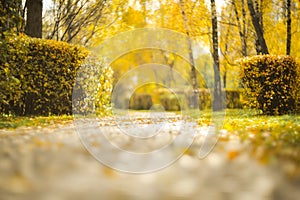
(217, 101)
(288, 27)
(256, 21)
(241, 27)
(34, 22)
(244, 28)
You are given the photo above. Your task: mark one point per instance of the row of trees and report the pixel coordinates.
(281, 13)
(242, 28)
(89, 22)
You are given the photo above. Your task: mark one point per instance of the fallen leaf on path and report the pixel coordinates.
(232, 154)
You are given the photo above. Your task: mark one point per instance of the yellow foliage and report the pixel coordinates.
(37, 76)
(271, 83)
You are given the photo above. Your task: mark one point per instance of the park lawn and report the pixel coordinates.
(12, 122)
(267, 138)
(270, 138)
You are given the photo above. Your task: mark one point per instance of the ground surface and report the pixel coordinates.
(51, 163)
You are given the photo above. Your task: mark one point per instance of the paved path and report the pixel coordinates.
(52, 164)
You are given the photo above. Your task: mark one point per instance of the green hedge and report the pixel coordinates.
(171, 102)
(140, 102)
(205, 99)
(10, 17)
(234, 98)
(185, 99)
(271, 83)
(37, 76)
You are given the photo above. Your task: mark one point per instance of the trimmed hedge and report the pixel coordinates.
(37, 76)
(205, 100)
(171, 99)
(170, 102)
(140, 102)
(104, 90)
(10, 17)
(298, 94)
(233, 98)
(271, 83)
(93, 88)
(183, 99)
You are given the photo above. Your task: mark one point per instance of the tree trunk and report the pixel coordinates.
(261, 42)
(242, 29)
(245, 50)
(224, 79)
(193, 74)
(34, 18)
(217, 102)
(288, 27)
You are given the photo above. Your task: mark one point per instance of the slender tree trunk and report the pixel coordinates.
(261, 42)
(193, 75)
(245, 50)
(242, 29)
(288, 27)
(34, 18)
(217, 102)
(225, 79)
(170, 63)
(69, 21)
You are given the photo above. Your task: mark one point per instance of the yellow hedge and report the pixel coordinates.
(184, 99)
(37, 76)
(93, 88)
(271, 83)
(233, 98)
(172, 102)
(140, 102)
(10, 16)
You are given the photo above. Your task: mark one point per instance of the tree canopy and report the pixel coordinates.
(245, 27)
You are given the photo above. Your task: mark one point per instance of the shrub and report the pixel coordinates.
(140, 102)
(205, 99)
(172, 99)
(233, 98)
(170, 102)
(270, 82)
(298, 91)
(93, 87)
(10, 17)
(184, 99)
(37, 76)
(104, 89)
